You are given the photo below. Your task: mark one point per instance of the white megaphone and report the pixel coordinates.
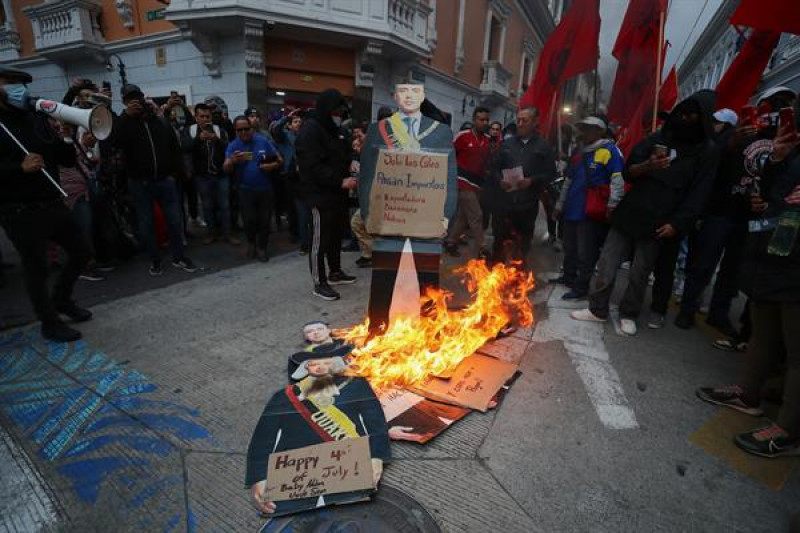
(97, 120)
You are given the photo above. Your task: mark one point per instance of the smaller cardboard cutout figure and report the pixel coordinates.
(323, 406)
(316, 334)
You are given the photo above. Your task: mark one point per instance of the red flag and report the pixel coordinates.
(636, 49)
(571, 49)
(668, 94)
(742, 77)
(774, 15)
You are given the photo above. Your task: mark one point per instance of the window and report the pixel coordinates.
(495, 39)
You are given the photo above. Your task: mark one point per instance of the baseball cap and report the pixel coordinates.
(766, 95)
(252, 110)
(15, 76)
(593, 121)
(131, 91)
(727, 116)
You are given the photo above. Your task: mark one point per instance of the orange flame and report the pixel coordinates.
(410, 350)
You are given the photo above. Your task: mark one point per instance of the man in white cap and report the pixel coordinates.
(597, 169)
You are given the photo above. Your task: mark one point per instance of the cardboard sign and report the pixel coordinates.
(475, 381)
(408, 194)
(329, 468)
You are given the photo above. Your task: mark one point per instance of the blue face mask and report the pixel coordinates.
(17, 95)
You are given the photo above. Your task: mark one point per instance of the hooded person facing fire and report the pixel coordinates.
(324, 405)
(413, 132)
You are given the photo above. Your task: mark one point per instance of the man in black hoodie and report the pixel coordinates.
(323, 158)
(153, 160)
(671, 172)
(32, 210)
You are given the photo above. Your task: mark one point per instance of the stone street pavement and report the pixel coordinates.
(144, 425)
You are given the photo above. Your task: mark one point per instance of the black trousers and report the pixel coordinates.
(30, 228)
(326, 242)
(664, 273)
(583, 240)
(256, 208)
(513, 230)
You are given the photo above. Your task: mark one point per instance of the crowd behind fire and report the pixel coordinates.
(712, 195)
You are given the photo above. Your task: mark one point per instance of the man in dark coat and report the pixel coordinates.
(671, 172)
(323, 158)
(32, 210)
(515, 206)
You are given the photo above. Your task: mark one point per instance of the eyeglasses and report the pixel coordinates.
(243, 130)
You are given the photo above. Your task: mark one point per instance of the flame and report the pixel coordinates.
(409, 350)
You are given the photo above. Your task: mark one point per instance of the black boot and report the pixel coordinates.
(78, 314)
(58, 331)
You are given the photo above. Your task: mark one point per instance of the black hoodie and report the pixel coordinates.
(323, 154)
(677, 194)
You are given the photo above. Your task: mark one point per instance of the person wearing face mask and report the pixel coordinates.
(671, 172)
(32, 210)
(323, 159)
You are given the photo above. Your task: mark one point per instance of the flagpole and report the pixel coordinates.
(595, 89)
(558, 125)
(659, 67)
(550, 117)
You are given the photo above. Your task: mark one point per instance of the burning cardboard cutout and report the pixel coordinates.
(324, 406)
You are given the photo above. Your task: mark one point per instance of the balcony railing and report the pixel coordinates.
(496, 80)
(9, 45)
(59, 26)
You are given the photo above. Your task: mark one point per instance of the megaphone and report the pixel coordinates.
(97, 120)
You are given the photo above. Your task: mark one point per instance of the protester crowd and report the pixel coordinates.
(712, 195)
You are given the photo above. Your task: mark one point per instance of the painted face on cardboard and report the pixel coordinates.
(328, 367)
(409, 97)
(317, 333)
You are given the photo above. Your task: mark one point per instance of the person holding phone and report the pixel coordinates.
(771, 279)
(671, 173)
(253, 158)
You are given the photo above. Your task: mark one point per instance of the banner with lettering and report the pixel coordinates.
(319, 470)
(408, 194)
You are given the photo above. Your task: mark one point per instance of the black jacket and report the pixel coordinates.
(537, 161)
(207, 156)
(35, 133)
(150, 148)
(323, 155)
(766, 277)
(677, 194)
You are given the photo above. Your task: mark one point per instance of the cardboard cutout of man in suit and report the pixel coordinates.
(406, 130)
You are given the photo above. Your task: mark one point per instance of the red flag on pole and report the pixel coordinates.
(774, 15)
(742, 77)
(636, 49)
(668, 95)
(571, 49)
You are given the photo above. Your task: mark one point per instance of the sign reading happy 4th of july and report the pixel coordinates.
(408, 194)
(330, 468)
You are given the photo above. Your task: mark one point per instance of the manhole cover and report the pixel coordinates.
(390, 511)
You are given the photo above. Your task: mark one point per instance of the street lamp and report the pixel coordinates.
(120, 67)
(567, 110)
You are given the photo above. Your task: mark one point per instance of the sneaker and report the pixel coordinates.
(452, 250)
(340, 278)
(155, 268)
(59, 332)
(263, 256)
(104, 267)
(185, 264)
(626, 265)
(364, 262)
(69, 308)
(586, 315)
(91, 275)
(628, 327)
(656, 320)
(199, 222)
(729, 345)
(233, 240)
(575, 295)
(730, 396)
(771, 441)
(325, 292)
(684, 321)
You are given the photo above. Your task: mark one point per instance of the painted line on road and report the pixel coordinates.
(587, 351)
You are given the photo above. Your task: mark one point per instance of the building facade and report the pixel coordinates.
(715, 50)
(278, 54)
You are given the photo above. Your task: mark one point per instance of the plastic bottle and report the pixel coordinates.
(785, 236)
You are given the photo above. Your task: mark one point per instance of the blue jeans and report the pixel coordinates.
(215, 192)
(165, 192)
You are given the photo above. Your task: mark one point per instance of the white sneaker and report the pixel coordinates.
(586, 315)
(628, 327)
(656, 321)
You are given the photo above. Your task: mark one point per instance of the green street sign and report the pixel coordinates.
(156, 14)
